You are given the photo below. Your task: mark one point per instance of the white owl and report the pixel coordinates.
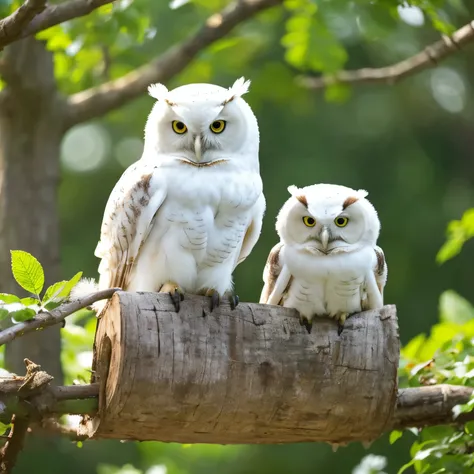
(327, 262)
(190, 210)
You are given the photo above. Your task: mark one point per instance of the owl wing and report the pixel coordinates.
(380, 269)
(128, 219)
(375, 283)
(253, 230)
(276, 277)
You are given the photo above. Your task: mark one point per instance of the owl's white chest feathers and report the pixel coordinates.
(198, 232)
(329, 284)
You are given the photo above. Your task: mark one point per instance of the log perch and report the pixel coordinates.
(252, 375)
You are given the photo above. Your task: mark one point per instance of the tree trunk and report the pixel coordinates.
(252, 375)
(31, 129)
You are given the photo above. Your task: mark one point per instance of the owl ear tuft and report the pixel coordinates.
(298, 194)
(293, 189)
(158, 91)
(238, 89)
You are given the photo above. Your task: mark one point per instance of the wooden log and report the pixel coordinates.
(252, 375)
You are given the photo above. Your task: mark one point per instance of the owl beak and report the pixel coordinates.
(324, 236)
(198, 147)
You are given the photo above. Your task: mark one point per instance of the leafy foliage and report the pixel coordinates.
(446, 356)
(459, 232)
(29, 274)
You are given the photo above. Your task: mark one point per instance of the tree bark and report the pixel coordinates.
(31, 129)
(252, 375)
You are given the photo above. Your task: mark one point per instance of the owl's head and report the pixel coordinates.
(201, 124)
(327, 219)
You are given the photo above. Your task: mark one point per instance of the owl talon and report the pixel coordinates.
(304, 321)
(176, 293)
(341, 319)
(233, 300)
(176, 300)
(215, 300)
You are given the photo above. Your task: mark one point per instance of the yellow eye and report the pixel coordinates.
(218, 126)
(341, 221)
(309, 221)
(179, 127)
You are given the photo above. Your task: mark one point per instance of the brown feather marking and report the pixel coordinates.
(285, 292)
(272, 271)
(136, 210)
(228, 100)
(380, 262)
(302, 199)
(350, 200)
(274, 261)
(144, 201)
(144, 182)
(379, 268)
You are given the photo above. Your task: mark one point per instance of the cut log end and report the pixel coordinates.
(249, 375)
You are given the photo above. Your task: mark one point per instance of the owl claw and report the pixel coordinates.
(341, 319)
(176, 293)
(340, 328)
(215, 300)
(304, 321)
(233, 300)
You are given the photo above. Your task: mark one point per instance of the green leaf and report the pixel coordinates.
(61, 290)
(4, 313)
(51, 305)
(310, 44)
(458, 233)
(6, 298)
(406, 466)
(4, 427)
(454, 308)
(394, 435)
(27, 271)
(29, 301)
(469, 427)
(412, 349)
(22, 315)
(337, 92)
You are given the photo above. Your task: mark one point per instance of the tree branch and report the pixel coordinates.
(14, 445)
(53, 317)
(429, 57)
(429, 406)
(12, 27)
(416, 407)
(33, 16)
(99, 100)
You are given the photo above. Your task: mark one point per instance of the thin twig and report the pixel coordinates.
(53, 317)
(429, 57)
(20, 25)
(12, 26)
(9, 453)
(99, 100)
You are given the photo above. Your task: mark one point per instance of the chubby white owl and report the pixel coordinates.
(182, 217)
(327, 262)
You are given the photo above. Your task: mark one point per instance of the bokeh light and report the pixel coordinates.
(128, 150)
(448, 89)
(85, 148)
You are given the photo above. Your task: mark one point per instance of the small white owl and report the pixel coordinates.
(327, 262)
(190, 210)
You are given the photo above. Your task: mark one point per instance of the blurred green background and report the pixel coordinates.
(409, 145)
